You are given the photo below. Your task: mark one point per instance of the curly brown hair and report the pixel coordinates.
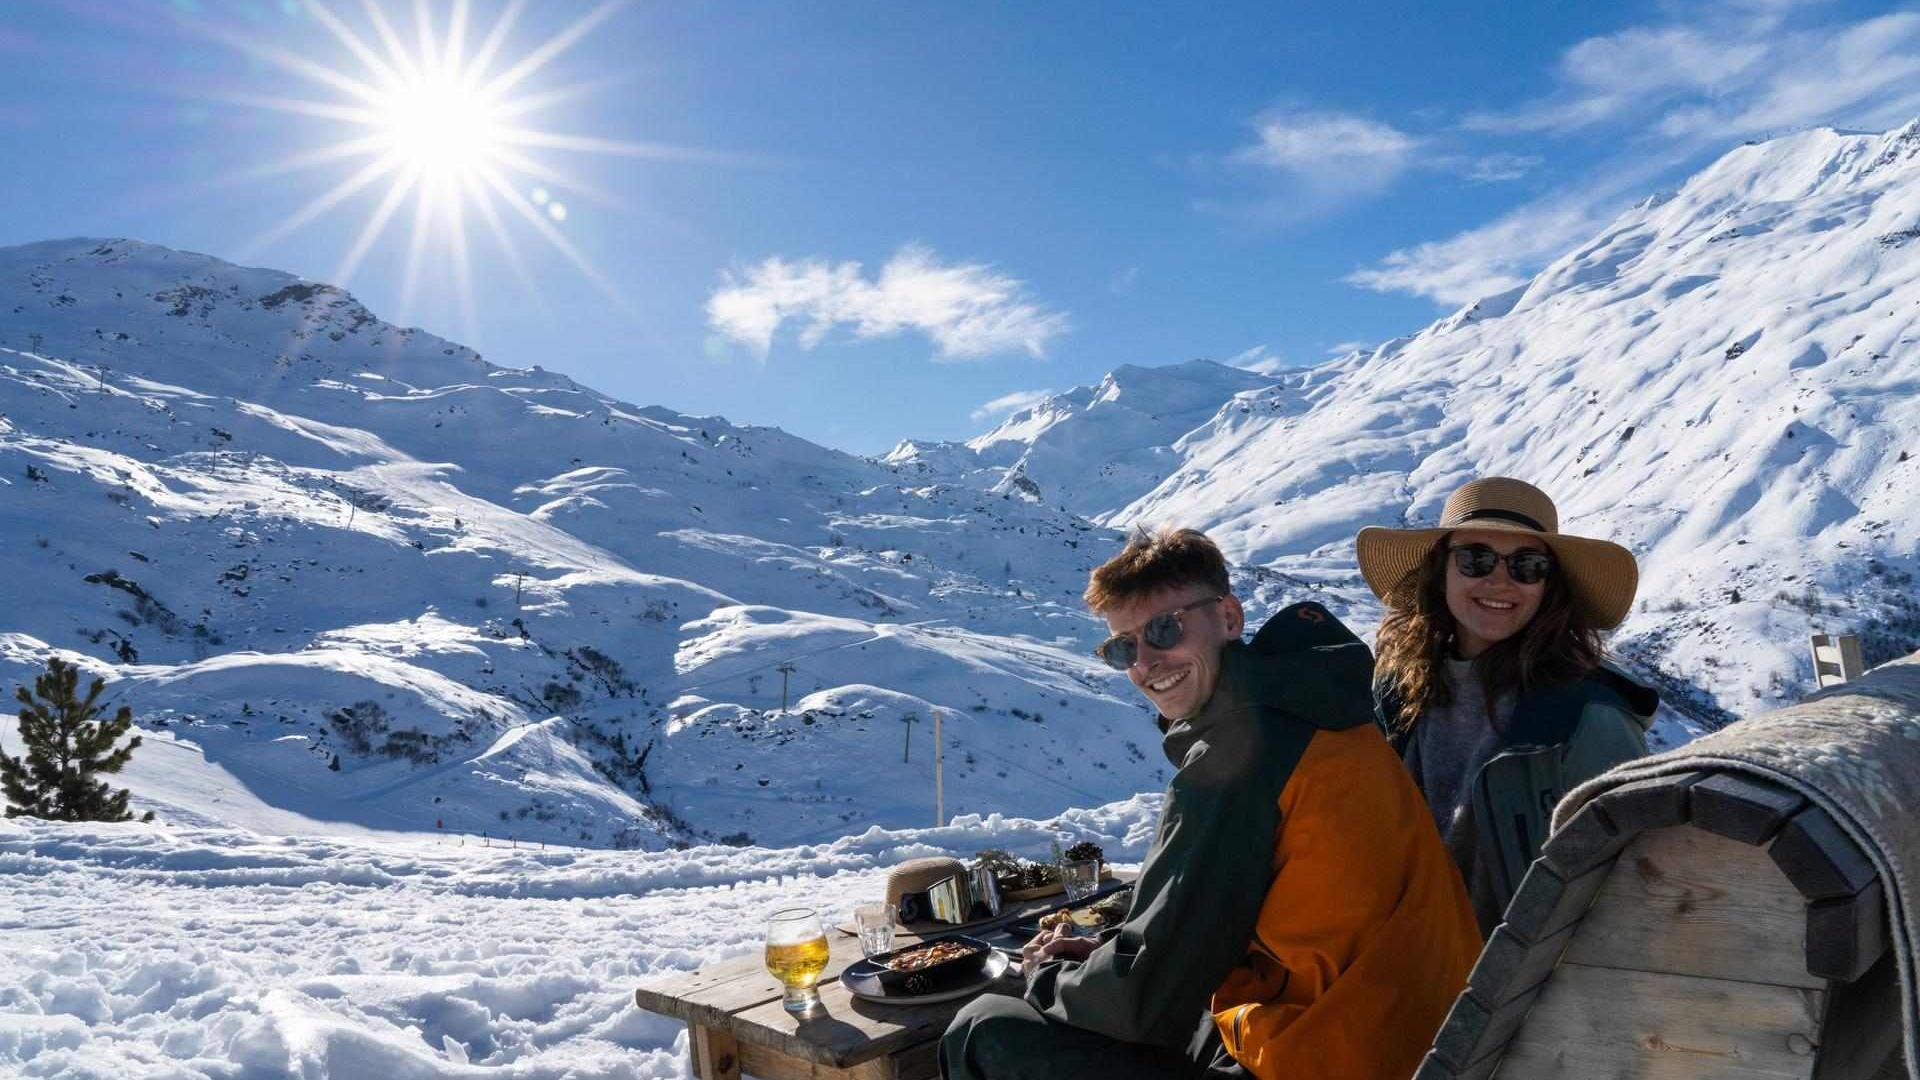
(1416, 638)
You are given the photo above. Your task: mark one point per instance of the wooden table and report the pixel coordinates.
(735, 1019)
(735, 1022)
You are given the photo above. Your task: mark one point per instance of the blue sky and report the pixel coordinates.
(868, 221)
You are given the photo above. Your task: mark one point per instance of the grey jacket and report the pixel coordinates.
(1558, 738)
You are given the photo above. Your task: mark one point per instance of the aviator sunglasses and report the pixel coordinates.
(1163, 631)
(1528, 566)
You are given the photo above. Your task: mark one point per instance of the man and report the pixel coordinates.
(1297, 916)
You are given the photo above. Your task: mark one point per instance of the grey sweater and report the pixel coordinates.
(1455, 740)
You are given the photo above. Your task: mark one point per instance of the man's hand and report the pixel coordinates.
(1054, 943)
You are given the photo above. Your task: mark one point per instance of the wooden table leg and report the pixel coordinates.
(715, 1055)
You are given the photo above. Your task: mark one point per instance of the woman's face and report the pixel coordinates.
(1489, 610)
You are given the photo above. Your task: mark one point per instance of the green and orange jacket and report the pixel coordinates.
(1297, 895)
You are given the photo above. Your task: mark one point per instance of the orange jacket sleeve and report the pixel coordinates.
(1366, 934)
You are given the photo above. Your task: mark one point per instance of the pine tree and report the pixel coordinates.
(68, 742)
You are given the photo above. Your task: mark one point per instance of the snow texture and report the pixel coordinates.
(224, 953)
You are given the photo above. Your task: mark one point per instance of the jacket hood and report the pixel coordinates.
(1550, 715)
(1303, 662)
(1641, 700)
(1306, 662)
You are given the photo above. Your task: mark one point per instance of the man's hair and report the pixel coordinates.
(1169, 558)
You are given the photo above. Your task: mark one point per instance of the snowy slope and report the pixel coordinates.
(220, 952)
(1726, 379)
(296, 536)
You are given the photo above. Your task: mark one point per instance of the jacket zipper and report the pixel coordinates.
(1519, 821)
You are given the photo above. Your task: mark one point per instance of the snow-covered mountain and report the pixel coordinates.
(1726, 379)
(1095, 447)
(299, 537)
(351, 576)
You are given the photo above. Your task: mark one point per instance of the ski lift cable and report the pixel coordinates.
(1099, 799)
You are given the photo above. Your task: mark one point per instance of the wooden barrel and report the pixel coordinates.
(1702, 925)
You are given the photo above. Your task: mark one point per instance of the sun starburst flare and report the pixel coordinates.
(444, 128)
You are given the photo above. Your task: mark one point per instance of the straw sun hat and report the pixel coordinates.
(1601, 574)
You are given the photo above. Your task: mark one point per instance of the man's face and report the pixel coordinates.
(1179, 679)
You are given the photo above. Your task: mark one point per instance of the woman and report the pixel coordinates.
(1490, 677)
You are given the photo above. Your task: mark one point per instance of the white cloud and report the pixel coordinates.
(1325, 160)
(1644, 60)
(1866, 75)
(1735, 70)
(967, 310)
(1009, 403)
(1605, 78)
(1261, 360)
(1505, 252)
(1329, 152)
(1499, 168)
(1480, 262)
(1683, 90)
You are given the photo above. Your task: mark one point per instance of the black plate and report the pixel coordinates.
(1027, 928)
(862, 982)
(1030, 926)
(927, 980)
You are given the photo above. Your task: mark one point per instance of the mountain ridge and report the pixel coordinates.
(295, 536)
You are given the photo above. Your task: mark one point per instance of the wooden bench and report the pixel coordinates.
(1700, 926)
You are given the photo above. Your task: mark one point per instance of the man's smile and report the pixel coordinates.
(1168, 682)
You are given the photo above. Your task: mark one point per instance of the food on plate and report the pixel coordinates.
(922, 957)
(1055, 918)
(1114, 906)
(1078, 918)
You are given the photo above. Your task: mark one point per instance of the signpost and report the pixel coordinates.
(1836, 659)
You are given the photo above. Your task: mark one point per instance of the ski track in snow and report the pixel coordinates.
(144, 951)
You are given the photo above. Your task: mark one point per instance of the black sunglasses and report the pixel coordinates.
(1528, 566)
(1163, 631)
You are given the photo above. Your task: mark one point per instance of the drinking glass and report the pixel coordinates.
(1081, 878)
(875, 924)
(796, 955)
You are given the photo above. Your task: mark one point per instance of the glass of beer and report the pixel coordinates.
(796, 955)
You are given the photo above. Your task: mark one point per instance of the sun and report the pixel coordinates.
(443, 125)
